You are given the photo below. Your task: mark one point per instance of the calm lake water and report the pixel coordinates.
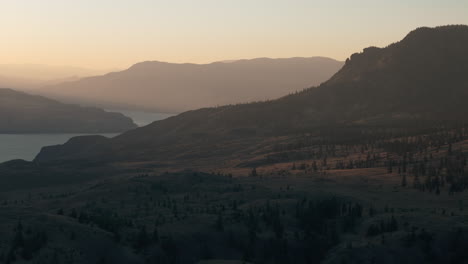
(143, 118)
(27, 146)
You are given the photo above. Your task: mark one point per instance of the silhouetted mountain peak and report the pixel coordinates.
(424, 34)
(423, 51)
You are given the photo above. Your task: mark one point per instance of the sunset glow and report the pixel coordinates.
(118, 33)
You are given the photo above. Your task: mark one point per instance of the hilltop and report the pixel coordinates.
(24, 113)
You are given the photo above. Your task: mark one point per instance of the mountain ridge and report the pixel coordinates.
(381, 87)
(177, 87)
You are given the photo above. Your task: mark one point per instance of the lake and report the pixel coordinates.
(143, 118)
(27, 146)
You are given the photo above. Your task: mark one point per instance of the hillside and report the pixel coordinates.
(24, 113)
(169, 87)
(419, 80)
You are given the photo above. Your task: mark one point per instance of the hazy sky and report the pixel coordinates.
(118, 33)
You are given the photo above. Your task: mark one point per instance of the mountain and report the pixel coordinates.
(24, 113)
(19, 83)
(31, 77)
(169, 87)
(24, 84)
(45, 72)
(417, 82)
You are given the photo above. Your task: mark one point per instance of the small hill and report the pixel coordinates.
(24, 113)
(170, 87)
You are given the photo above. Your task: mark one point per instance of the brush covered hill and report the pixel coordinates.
(174, 88)
(419, 80)
(24, 113)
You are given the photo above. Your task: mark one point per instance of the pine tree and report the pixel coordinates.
(219, 223)
(254, 172)
(142, 238)
(403, 180)
(155, 236)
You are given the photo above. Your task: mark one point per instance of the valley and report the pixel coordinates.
(367, 167)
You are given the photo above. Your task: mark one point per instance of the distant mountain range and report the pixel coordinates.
(169, 87)
(24, 113)
(25, 84)
(45, 72)
(29, 77)
(421, 80)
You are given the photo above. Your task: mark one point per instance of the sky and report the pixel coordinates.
(101, 34)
